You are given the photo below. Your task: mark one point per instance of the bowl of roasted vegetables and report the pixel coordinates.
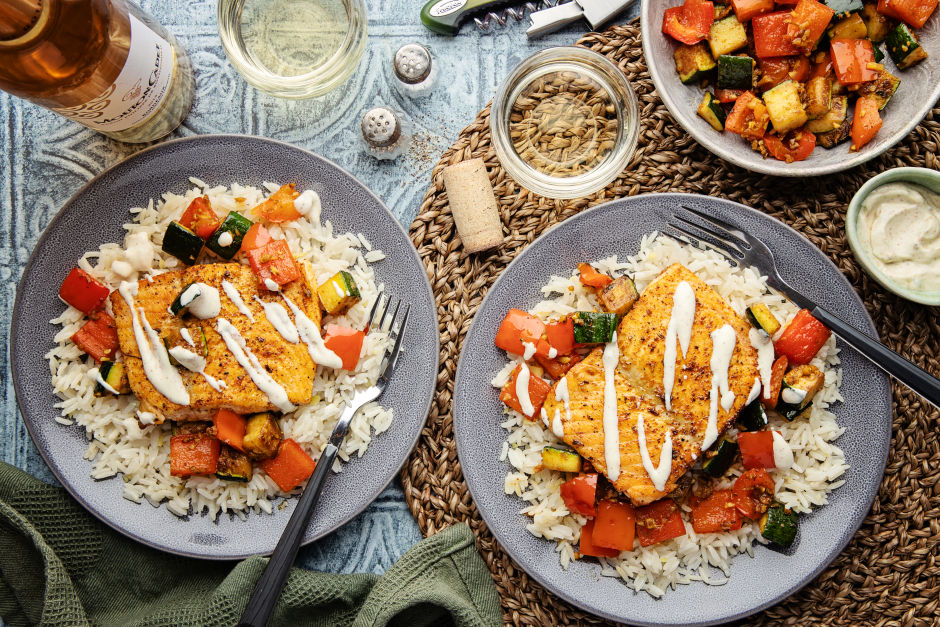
(795, 87)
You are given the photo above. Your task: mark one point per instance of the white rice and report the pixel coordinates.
(818, 462)
(118, 445)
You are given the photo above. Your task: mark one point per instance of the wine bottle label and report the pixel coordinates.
(138, 90)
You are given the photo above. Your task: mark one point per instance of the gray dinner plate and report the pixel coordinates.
(94, 216)
(756, 583)
(916, 96)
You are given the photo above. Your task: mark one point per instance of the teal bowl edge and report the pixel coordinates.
(920, 176)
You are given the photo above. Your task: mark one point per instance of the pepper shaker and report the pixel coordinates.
(413, 71)
(385, 132)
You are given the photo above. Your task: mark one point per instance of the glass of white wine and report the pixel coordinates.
(294, 48)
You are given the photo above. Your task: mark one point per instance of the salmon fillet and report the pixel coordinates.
(638, 380)
(289, 364)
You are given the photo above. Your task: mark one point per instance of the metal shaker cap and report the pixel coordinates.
(380, 127)
(412, 63)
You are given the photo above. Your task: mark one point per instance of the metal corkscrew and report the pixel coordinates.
(546, 16)
(517, 13)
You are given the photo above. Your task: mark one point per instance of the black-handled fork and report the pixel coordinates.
(744, 248)
(267, 591)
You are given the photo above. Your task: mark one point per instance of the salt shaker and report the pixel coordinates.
(385, 132)
(414, 73)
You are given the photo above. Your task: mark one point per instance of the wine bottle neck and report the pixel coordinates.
(18, 17)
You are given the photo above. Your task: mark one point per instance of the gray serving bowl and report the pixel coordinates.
(919, 91)
(919, 176)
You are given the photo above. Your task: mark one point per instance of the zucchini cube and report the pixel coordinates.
(339, 293)
(262, 436)
(785, 106)
(182, 243)
(619, 296)
(233, 465)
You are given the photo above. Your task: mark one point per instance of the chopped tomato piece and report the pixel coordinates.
(279, 207)
(593, 278)
(83, 291)
(757, 449)
(614, 526)
(98, 337)
(588, 547)
(256, 237)
(715, 514)
(728, 95)
(274, 261)
(746, 9)
(290, 467)
(795, 146)
(559, 366)
(560, 336)
(802, 338)
(769, 31)
(509, 336)
(822, 65)
(807, 24)
(538, 392)
(346, 343)
(851, 59)
(753, 493)
(200, 218)
(658, 522)
(749, 117)
(886, 7)
(915, 13)
(773, 71)
(691, 22)
(579, 494)
(230, 428)
(866, 123)
(776, 382)
(194, 454)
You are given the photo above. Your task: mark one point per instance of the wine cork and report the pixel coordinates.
(473, 205)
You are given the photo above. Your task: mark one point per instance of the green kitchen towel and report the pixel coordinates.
(60, 566)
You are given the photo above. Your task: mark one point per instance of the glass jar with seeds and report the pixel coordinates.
(565, 122)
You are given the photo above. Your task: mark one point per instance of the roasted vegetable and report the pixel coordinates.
(881, 89)
(779, 525)
(262, 436)
(693, 62)
(877, 24)
(753, 417)
(832, 119)
(764, 319)
(273, 261)
(851, 27)
(538, 392)
(196, 454)
(83, 291)
(98, 337)
(233, 465)
(710, 110)
(592, 327)
(339, 293)
(735, 72)
(749, 117)
(190, 427)
(835, 136)
(726, 36)
(186, 296)
(718, 462)
(618, 297)
(291, 467)
(112, 373)
(561, 460)
(842, 8)
(785, 106)
(226, 241)
(799, 387)
(182, 243)
(818, 97)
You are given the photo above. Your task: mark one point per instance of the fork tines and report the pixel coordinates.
(718, 234)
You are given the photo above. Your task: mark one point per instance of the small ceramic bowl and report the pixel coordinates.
(919, 176)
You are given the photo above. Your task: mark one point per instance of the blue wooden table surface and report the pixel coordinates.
(45, 159)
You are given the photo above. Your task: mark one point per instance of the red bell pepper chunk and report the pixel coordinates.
(914, 13)
(279, 207)
(579, 494)
(346, 343)
(538, 392)
(558, 367)
(510, 334)
(658, 522)
(98, 337)
(753, 492)
(200, 218)
(256, 237)
(866, 123)
(83, 291)
(749, 117)
(290, 467)
(746, 9)
(776, 382)
(593, 278)
(728, 95)
(230, 428)
(769, 32)
(757, 449)
(560, 336)
(802, 338)
(614, 526)
(797, 145)
(885, 7)
(274, 261)
(690, 23)
(588, 545)
(807, 24)
(822, 65)
(194, 454)
(773, 71)
(851, 59)
(715, 514)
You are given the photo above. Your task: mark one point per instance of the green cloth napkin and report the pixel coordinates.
(60, 566)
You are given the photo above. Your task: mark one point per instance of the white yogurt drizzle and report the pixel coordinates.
(247, 360)
(557, 427)
(658, 475)
(196, 363)
(339, 290)
(226, 239)
(310, 334)
(723, 341)
(184, 332)
(611, 430)
(272, 286)
(792, 396)
(146, 417)
(522, 391)
(236, 299)
(206, 304)
(160, 372)
(762, 343)
(783, 454)
(529, 350)
(680, 327)
(561, 394)
(552, 353)
(754, 393)
(95, 375)
(280, 320)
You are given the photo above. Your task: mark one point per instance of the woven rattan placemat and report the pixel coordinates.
(890, 573)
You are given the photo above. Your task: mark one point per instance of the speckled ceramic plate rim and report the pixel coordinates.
(769, 165)
(24, 405)
(671, 596)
